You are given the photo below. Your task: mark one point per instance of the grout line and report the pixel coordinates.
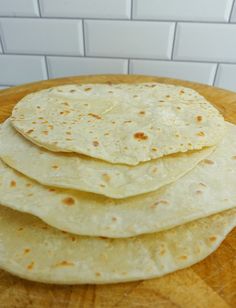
(120, 58)
(119, 19)
(214, 80)
(173, 44)
(83, 32)
(39, 7)
(231, 11)
(131, 9)
(128, 71)
(1, 45)
(46, 65)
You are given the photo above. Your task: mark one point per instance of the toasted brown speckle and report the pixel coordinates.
(106, 177)
(55, 166)
(200, 134)
(95, 143)
(199, 118)
(26, 250)
(140, 136)
(13, 183)
(30, 266)
(96, 116)
(208, 161)
(68, 201)
(212, 238)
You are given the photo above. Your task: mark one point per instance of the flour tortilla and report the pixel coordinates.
(207, 189)
(80, 172)
(32, 250)
(120, 123)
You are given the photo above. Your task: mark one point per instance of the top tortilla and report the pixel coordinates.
(120, 123)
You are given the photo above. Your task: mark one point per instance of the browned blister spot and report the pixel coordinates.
(29, 185)
(154, 149)
(13, 183)
(30, 266)
(26, 250)
(199, 118)
(65, 103)
(128, 121)
(20, 229)
(68, 133)
(96, 116)
(212, 238)
(202, 184)
(65, 263)
(183, 257)
(55, 166)
(106, 177)
(142, 112)
(69, 201)
(33, 122)
(201, 134)
(234, 157)
(98, 274)
(199, 192)
(51, 189)
(45, 132)
(167, 96)
(114, 219)
(29, 131)
(73, 238)
(95, 143)
(102, 185)
(40, 118)
(72, 91)
(69, 139)
(179, 108)
(87, 89)
(208, 161)
(140, 136)
(38, 107)
(50, 126)
(181, 92)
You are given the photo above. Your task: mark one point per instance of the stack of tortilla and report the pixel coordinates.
(104, 183)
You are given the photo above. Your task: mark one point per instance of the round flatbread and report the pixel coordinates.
(209, 188)
(123, 123)
(80, 172)
(32, 250)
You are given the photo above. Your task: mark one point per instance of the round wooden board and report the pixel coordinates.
(210, 283)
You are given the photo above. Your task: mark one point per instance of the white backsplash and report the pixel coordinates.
(187, 39)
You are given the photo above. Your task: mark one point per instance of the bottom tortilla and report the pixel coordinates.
(33, 250)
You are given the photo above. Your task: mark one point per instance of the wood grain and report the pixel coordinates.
(210, 283)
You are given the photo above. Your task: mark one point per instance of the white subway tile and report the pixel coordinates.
(42, 36)
(226, 77)
(86, 8)
(21, 69)
(194, 10)
(19, 8)
(198, 72)
(129, 39)
(205, 42)
(233, 17)
(72, 66)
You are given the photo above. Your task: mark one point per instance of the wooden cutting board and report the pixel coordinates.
(210, 283)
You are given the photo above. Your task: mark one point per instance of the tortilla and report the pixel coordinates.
(32, 250)
(123, 123)
(80, 172)
(209, 188)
